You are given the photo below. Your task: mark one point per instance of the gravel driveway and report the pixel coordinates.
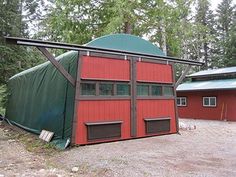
(209, 150)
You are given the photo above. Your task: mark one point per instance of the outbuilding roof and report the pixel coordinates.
(219, 71)
(208, 85)
(126, 42)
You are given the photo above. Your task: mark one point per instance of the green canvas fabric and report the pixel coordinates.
(41, 98)
(126, 42)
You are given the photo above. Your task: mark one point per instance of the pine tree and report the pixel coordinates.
(205, 19)
(225, 12)
(230, 51)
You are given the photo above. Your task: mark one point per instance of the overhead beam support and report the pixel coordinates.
(182, 76)
(48, 44)
(58, 65)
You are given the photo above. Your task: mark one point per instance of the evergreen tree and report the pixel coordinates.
(205, 20)
(13, 59)
(230, 51)
(225, 12)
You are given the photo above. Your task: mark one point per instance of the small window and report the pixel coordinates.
(168, 91)
(142, 90)
(209, 101)
(123, 89)
(88, 88)
(106, 89)
(181, 101)
(156, 90)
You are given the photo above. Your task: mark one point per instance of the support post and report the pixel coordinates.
(133, 77)
(77, 96)
(182, 76)
(60, 68)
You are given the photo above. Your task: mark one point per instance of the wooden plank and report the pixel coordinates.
(156, 119)
(103, 123)
(60, 68)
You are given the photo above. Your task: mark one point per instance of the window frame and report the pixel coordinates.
(88, 82)
(143, 84)
(181, 103)
(163, 90)
(157, 85)
(150, 95)
(97, 90)
(112, 92)
(116, 89)
(209, 98)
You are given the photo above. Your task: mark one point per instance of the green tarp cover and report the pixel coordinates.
(41, 98)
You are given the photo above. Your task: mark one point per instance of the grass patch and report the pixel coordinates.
(31, 142)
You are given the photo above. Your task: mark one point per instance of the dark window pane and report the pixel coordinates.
(88, 89)
(142, 90)
(183, 102)
(206, 101)
(156, 90)
(167, 91)
(212, 101)
(178, 101)
(123, 89)
(105, 89)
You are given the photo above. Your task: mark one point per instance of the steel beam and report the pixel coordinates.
(48, 44)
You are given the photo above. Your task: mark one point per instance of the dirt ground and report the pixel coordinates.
(209, 150)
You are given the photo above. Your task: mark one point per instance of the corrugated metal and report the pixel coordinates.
(105, 68)
(99, 111)
(154, 109)
(225, 108)
(208, 85)
(153, 72)
(214, 72)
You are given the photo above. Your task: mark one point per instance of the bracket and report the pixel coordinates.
(58, 65)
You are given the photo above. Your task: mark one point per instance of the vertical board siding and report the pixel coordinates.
(154, 72)
(155, 109)
(101, 111)
(105, 69)
(224, 110)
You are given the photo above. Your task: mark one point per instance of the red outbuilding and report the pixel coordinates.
(116, 87)
(211, 94)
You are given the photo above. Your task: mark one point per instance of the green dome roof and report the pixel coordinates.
(126, 42)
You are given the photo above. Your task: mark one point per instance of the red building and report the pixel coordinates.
(211, 94)
(116, 87)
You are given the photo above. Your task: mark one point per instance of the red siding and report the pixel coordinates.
(153, 72)
(105, 68)
(104, 110)
(154, 109)
(225, 109)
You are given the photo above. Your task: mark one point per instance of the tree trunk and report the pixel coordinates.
(205, 55)
(127, 28)
(163, 36)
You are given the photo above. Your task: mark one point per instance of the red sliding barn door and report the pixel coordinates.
(103, 117)
(155, 110)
